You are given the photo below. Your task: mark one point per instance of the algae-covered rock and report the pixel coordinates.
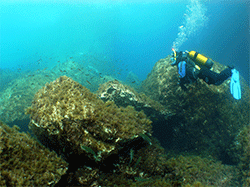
(188, 170)
(152, 167)
(83, 176)
(18, 95)
(25, 162)
(241, 150)
(206, 117)
(124, 96)
(69, 115)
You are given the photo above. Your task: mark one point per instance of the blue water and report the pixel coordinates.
(129, 36)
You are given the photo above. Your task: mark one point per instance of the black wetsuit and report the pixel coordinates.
(211, 77)
(192, 73)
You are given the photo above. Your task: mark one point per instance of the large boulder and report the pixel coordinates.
(67, 114)
(124, 96)
(25, 162)
(206, 117)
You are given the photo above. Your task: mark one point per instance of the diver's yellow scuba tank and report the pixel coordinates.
(200, 59)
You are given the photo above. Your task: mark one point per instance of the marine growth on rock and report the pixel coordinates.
(68, 115)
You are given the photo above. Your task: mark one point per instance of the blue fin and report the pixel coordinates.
(182, 69)
(235, 84)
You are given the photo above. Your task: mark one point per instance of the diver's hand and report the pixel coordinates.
(173, 62)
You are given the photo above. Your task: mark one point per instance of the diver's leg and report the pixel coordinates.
(211, 77)
(224, 75)
(208, 76)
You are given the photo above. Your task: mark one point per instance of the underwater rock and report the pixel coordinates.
(241, 150)
(125, 96)
(25, 162)
(18, 95)
(206, 171)
(206, 117)
(75, 120)
(110, 144)
(151, 166)
(83, 176)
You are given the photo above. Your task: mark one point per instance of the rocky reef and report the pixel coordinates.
(111, 144)
(25, 162)
(108, 138)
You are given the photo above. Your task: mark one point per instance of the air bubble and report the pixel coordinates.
(195, 19)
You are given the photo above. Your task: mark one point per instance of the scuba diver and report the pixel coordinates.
(192, 65)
